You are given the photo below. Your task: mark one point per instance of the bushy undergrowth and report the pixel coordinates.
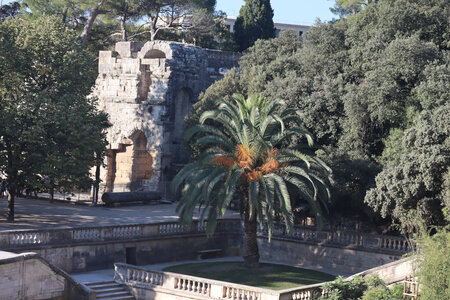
(434, 267)
(359, 288)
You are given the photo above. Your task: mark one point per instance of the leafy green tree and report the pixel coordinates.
(9, 10)
(208, 30)
(359, 82)
(255, 21)
(114, 20)
(417, 180)
(248, 152)
(50, 130)
(345, 7)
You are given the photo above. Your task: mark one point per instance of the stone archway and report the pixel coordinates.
(130, 166)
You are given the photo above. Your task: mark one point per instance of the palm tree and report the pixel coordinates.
(252, 148)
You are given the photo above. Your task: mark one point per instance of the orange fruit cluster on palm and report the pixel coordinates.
(244, 158)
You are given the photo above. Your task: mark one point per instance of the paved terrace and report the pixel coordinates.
(33, 214)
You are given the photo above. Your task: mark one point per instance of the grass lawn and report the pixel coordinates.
(269, 276)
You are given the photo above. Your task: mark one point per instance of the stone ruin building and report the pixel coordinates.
(147, 89)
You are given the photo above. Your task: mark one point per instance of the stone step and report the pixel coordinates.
(110, 290)
(112, 295)
(104, 286)
(99, 282)
(120, 298)
(118, 288)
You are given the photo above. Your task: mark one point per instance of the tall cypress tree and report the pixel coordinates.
(255, 21)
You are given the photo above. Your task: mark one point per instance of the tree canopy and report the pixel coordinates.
(101, 23)
(255, 21)
(50, 130)
(248, 153)
(363, 84)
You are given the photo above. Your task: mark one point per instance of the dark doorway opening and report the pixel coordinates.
(131, 256)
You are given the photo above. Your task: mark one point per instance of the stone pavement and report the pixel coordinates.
(34, 214)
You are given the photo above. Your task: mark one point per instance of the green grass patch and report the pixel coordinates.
(268, 276)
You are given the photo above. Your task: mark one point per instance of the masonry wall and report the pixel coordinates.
(147, 89)
(28, 277)
(337, 260)
(97, 256)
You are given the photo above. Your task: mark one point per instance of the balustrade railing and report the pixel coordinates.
(309, 292)
(303, 234)
(194, 286)
(191, 285)
(56, 236)
(26, 238)
(339, 238)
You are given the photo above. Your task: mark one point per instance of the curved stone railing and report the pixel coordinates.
(309, 292)
(196, 286)
(11, 239)
(189, 285)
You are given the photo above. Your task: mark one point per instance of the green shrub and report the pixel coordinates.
(434, 267)
(359, 288)
(377, 293)
(345, 290)
(397, 292)
(381, 292)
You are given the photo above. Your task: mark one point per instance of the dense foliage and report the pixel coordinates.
(101, 23)
(361, 288)
(434, 266)
(248, 151)
(255, 21)
(373, 90)
(49, 131)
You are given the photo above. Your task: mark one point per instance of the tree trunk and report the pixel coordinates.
(11, 198)
(96, 184)
(52, 194)
(123, 29)
(251, 253)
(153, 26)
(90, 22)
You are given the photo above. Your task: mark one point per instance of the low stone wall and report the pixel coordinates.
(91, 248)
(394, 272)
(341, 260)
(344, 252)
(28, 276)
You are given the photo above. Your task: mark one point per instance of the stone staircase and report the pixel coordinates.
(110, 290)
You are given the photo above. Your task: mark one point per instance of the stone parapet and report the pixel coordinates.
(29, 276)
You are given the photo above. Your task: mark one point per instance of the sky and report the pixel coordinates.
(302, 12)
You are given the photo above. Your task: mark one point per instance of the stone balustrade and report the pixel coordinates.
(189, 285)
(141, 278)
(309, 292)
(174, 284)
(339, 238)
(11, 239)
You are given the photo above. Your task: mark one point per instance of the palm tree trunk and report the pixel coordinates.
(251, 252)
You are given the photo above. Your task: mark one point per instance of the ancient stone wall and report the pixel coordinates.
(147, 89)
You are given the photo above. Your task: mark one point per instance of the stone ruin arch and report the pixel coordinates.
(147, 89)
(130, 165)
